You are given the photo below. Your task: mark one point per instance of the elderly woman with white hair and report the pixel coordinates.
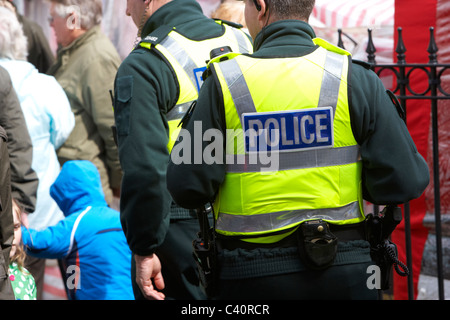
(39, 52)
(86, 66)
(49, 120)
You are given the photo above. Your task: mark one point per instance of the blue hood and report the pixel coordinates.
(78, 186)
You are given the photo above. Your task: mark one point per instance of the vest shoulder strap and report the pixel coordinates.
(364, 64)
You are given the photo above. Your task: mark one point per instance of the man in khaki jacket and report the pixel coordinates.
(86, 66)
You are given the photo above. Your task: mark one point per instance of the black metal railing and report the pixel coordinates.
(404, 91)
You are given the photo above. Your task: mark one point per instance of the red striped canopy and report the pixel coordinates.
(354, 13)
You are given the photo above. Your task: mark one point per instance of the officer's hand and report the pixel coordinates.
(148, 268)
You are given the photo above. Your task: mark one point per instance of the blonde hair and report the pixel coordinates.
(20, 255)
(13, 43)
(230, 10)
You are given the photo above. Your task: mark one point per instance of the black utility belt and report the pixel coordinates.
(343, 233)
(349, 232)
(316, 240)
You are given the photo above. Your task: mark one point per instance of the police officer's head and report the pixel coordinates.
(260, 13)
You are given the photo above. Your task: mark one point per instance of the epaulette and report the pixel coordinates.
(157, 36)
(230, 23)
(362, 63)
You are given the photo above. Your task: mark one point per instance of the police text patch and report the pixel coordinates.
(288, 130)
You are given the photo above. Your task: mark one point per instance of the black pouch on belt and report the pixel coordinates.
(317, 245)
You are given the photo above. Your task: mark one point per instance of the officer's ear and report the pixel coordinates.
(262, 6)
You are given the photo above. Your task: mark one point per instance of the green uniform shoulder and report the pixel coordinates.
(231, 24)
(364, 64)
(156, 36)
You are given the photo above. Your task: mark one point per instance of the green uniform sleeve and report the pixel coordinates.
(144, 89)
(393, 170)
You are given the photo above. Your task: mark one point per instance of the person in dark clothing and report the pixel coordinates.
(24, 180)
(8, 97)
(308, 133)
(154, 87)
(39, 52)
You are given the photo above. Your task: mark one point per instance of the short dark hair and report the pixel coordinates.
(291, 9)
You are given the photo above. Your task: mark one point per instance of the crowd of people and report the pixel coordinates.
(67, 113)
(91, 180)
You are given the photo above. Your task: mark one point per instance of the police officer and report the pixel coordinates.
(308, 134)
(155, 85)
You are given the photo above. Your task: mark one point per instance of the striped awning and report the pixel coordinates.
(354, 13)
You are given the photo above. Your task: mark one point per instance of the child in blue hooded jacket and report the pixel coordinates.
(89, 241)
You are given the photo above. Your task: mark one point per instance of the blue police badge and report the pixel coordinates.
(292, 130)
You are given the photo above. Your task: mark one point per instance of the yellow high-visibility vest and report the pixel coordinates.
(296, 111)
(188, 59)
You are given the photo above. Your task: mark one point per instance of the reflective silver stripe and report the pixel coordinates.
(178, 112)
(238, 87)
(331, 80)
(267, 222)
(240, 38)
(293, 160)
(181, 56)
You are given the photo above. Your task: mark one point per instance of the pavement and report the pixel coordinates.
(53, 282)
